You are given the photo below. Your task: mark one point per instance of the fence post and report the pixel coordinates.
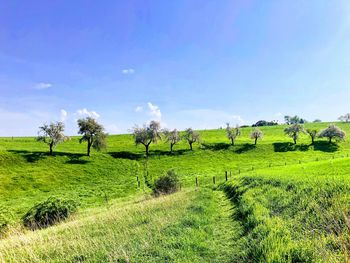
(213, 179)
(196, 181)
(226, 176)
(138, 184)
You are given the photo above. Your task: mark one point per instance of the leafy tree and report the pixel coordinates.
(287, 119)
(232, 133)
(345, 117)
(265, 123)
(93, 133)
(52, 134)
(317, 120)
(173, 137)
(191, 136)
(293, 131)
(332, 132)
(294, 120)
(313, 134)
(256, 134)
(147, 134)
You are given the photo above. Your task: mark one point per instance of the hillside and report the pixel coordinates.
(279, 194)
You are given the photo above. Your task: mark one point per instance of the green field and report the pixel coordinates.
(282, 203)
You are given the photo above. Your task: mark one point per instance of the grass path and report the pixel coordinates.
(189, 226)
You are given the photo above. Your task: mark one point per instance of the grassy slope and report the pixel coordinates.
(27, 175)
(270, 200)
(298, 213)
(189, 226)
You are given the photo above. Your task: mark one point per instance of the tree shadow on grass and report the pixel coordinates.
(245, 148)
(32, 157)
(152, 154)
(325, 146)
(289, 147)
(216, 146)
(126, 155)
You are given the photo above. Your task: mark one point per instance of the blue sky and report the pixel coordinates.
(186, 63)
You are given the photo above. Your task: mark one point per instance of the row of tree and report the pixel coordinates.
(332, 132)
(93, 133)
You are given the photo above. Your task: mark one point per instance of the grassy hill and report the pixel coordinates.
(289, 202)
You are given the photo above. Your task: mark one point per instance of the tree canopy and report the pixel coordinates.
(256, 134)
(93, 133)
(293, 131)
(173, 137)
(52, 134)
(232, 133)
(191, 136)
(332, 132)
(147, 134)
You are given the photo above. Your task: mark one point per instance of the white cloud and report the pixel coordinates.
(42, 85)
(64, 115)
(128, 71)
(154, 111)
(85, 113)
(138, 109)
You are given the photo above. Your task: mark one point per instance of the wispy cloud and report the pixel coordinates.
(64, 115)
(42, 85)
(154, 111)
(139, 109)
(128, 71)
(86, 113)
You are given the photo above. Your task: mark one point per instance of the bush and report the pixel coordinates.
(166, 184)
(48, 213)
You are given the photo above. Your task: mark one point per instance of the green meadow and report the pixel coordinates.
(281, 203)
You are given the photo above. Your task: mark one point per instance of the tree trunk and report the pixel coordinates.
(51, 146)
(312, 140)
(232, 142)
(89, 148)
(171, 147)
(295, 140)
(256, 139)
(147, 147)
(190, 143)
(330, 139)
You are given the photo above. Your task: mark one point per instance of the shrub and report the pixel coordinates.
(48, 213)
(166, 184)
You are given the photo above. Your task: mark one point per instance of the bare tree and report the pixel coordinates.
(232, 133)
(332, 132)
(345, 117)
(191, 136)
(293, 131)
(52, 134)
(93, 133)
(313, 134)
(173, 137)
(147, 134)
(256, 134)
